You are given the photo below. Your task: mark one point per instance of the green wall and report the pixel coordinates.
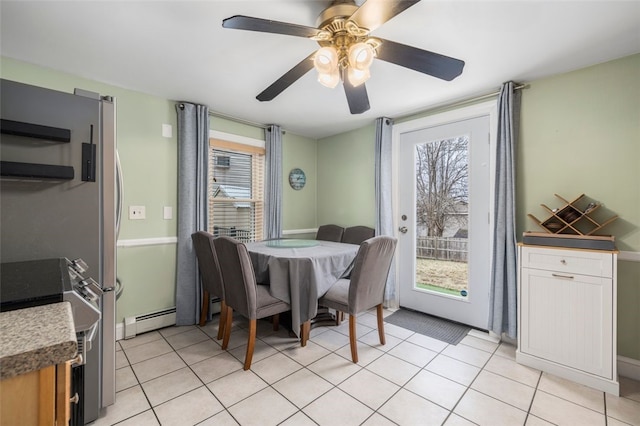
(580, 133)
(149, 169)
(149, 165)
(299, 206)
(346, 168)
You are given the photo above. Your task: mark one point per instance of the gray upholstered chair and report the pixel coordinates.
(357, 234)
(330, 233)
(210, 276)
(365, 288)
(242, 292)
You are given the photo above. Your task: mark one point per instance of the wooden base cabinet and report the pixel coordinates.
(567, 314)
(41, 397)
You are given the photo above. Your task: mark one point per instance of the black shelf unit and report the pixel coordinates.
(35, 171)
(38, 131)
(13, 169)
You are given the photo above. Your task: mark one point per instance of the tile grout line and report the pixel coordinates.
(469, 386)
(330, 351)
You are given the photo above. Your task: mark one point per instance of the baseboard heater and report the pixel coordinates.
(148, 322)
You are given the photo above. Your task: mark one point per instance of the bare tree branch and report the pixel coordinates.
(442, 175)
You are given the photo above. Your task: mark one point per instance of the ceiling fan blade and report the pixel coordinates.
(374, 13)
(357, 97)
(423, 61)
(287, 79)
(241, 22)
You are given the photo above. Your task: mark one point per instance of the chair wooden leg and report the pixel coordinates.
(227, 328)
(380, 324)
(276, 322)
(206, 301)
(251, 344)
(223, 319)
(352, 338)
(339, 317)
(305, 329)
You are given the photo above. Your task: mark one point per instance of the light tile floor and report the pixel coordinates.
(181, 376)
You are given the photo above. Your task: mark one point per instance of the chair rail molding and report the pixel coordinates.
(630, 256)
(141, 242)
(299, 231)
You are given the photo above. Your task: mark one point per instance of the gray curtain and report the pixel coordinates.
(273, 186)
(503, 297)
(384, 208)
(193, 150)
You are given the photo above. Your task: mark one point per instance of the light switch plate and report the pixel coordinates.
(167, 130)
(167, 212)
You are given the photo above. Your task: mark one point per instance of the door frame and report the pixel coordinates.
(489, 108)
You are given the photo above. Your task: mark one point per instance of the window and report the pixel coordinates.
(236, 188)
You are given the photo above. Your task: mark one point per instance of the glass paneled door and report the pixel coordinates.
(444, 205)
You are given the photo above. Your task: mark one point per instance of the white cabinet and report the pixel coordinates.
(567, 314)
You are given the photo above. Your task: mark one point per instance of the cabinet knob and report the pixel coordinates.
(564, 262)
(78, 360)
(74, 399)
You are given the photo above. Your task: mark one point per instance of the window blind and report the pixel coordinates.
(236, 190)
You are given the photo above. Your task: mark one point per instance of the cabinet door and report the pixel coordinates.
(567, 319)
(63, 393)
(29, 399)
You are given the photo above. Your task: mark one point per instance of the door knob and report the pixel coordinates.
(403, 229)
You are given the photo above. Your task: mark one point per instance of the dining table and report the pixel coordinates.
(299, 271)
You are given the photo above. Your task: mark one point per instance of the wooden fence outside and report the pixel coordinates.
(441, 248)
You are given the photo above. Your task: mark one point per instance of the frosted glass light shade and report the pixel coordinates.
(330, 79)
(325, 60)
(361, 56)
(357, 77)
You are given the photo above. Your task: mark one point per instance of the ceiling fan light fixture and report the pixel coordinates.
(326, 60)
(361, 56)
(357, 77)
(330, 79)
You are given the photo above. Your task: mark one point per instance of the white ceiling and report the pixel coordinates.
(178, 50)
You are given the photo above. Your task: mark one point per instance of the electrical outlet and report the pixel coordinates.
(137, 212)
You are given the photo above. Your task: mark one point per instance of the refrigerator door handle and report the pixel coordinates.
(119, 194)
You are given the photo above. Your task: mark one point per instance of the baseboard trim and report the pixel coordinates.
(119, 331)
(629, 367)
(611, 386)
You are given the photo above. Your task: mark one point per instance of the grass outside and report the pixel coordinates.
(441, 275)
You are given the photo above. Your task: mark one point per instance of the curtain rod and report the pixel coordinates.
(237, 120)
(462, 102)
(489, 95)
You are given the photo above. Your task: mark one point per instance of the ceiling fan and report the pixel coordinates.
(346, 49)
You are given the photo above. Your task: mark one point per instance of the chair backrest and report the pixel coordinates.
(330, 233)
(208, 263)
(238, 277)
(370, 271)
(357, 234)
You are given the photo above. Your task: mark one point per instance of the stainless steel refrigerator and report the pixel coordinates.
(58, 199)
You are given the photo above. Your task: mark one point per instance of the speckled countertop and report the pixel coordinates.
(34, 338)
